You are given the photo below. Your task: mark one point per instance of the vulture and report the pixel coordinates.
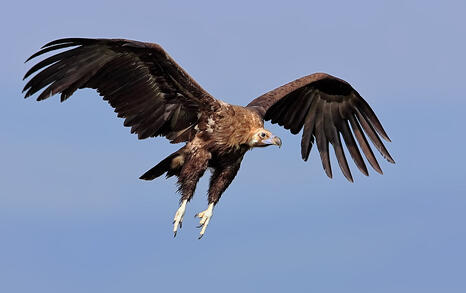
(156, 97)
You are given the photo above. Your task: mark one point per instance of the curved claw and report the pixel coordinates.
(178, 220)
(205, 219)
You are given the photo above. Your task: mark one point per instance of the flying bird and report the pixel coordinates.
(156, 97)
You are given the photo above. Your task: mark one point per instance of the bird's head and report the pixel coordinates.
(263, 138)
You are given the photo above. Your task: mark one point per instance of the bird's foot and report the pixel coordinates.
(178, 220)
(205, 219)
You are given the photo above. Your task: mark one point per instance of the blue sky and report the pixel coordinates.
(75, 218)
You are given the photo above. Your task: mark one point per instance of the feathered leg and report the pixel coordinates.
(219, 182)
(193, 168)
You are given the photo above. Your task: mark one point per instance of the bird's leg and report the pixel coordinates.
(178, 220)
(193, 169)
(205, 218)
(221, 178)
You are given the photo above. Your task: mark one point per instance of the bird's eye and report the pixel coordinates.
(262, 134)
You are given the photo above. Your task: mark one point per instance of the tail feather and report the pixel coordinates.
(164, 166)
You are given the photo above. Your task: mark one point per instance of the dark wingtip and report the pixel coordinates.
(328, 172)
(348, 176)
(64, 40)
(365, 171)
(144, 177)
(388, 157)
(378, 170)
(32, 56)
(378, 127)
(304, 156)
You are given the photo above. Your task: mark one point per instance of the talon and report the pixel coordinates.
(205, 219)
(178, 220)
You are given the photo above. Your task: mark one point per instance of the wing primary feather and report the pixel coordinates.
(345, 113)
(352, 147)
(336, 141)
(329, 127)
(42, 79)
(52, 59)
(309, 124)
(374, 137)
(79, 74)
(363, 143)
(322, 144)
(58, 71)
(48, 49)
(79, 79)
(53, 89)
(370, 115)
(72, 41)
(341, 158)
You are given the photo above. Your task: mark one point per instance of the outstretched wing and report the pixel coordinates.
(140, 80)
(325, 106)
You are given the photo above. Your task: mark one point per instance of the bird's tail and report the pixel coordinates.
(171, 165)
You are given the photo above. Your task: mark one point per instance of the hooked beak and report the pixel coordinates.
(273, 140)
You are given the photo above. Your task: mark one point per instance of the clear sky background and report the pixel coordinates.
(75, 218)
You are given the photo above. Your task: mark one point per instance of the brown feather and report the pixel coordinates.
(336, 142)
(352, 147)
(298, 121)
(156, 97)
(136, 78)
(324, 104)
(363, 143)
(309, 122)
(374, 137)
